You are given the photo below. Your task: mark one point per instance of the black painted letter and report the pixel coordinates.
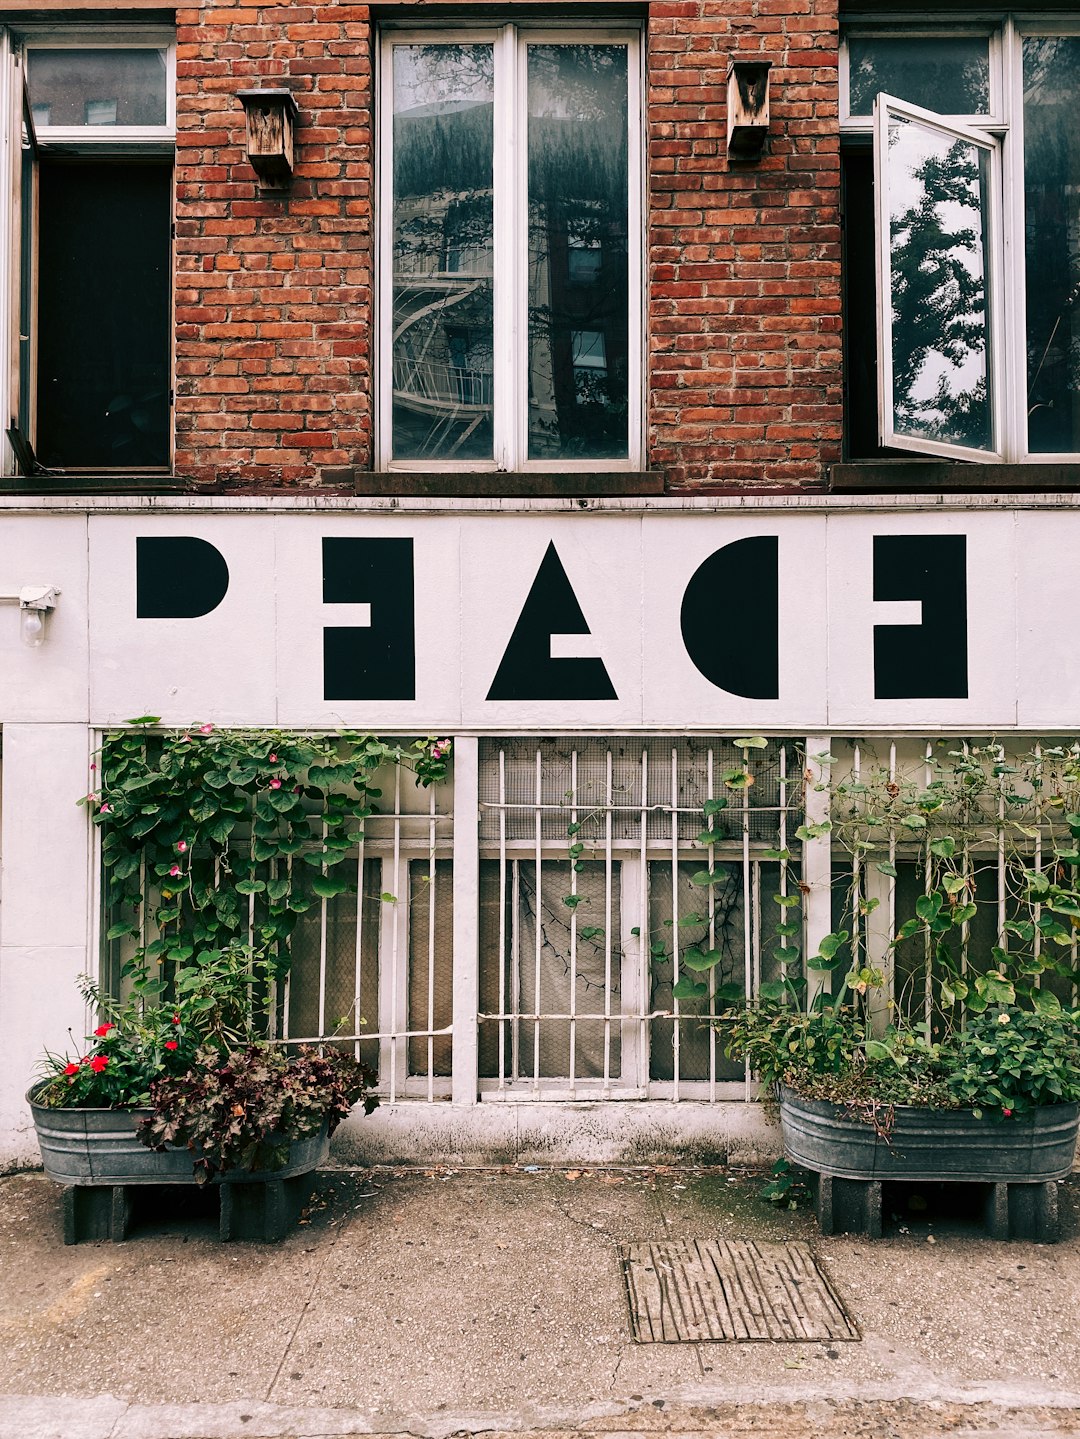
(731, 618)
(927, 661)
(378, 661)
(528, 671)
(178, 577)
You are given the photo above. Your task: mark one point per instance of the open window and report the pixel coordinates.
(960, 172)
(91, 246)
(937, 274)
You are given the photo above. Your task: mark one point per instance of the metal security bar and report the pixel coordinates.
(370, 968)
(1019, 800)
(627, 893)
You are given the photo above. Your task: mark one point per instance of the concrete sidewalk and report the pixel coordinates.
(442, 1302)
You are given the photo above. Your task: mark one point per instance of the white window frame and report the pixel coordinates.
(108, 139)
(884, 107)
(83, 140)
(510, 178)
(1006, 124)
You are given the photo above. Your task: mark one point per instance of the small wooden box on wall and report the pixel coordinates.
(747, 108)
(271, 122)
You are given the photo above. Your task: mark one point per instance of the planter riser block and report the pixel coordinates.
(1009, 1211)
(263, 1212)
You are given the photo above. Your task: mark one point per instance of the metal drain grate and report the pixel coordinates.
(686, 1291)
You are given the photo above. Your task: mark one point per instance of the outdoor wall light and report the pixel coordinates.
(35, 602)
(271, 122)
(747, 108)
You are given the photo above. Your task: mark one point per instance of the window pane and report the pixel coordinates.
(948, 74)
(442, 325)
(98, 87)
(938, 189)
(103, 313)
(1052, 213)
(578, 221)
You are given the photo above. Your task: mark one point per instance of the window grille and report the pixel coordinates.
(595, 889)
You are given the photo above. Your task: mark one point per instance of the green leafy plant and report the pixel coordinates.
(203, 826)
(787, 1187)
(210, 1005)
(242, 1110)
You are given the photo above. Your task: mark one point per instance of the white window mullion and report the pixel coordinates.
(510, 242)
(1014, 258)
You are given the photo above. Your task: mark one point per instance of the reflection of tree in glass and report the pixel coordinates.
(939, 302)
(1052, 239)
(578, 167)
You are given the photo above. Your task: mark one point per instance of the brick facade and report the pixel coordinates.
(274, 297)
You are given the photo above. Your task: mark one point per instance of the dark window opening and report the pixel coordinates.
(103, 315)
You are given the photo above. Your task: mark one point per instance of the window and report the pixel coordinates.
(510, 248)
(966, 322)
(93, 387)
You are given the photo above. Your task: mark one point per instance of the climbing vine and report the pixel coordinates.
(209, 833)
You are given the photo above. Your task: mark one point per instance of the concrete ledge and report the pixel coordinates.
(649, 1132)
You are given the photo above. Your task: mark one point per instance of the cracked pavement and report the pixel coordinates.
(439, 1302)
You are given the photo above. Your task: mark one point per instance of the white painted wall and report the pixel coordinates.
(44, 912)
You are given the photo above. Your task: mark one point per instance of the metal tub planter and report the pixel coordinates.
(1018, 1160)
(98, 1158)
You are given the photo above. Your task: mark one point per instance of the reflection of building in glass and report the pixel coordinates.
(443, 353)
(575, 371)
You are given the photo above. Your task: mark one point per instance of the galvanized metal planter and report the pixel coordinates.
(1016, 1162)
(930, 1144)
(100, 1146)
(99, 1159)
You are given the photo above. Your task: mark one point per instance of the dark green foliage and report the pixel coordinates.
(241, 1110)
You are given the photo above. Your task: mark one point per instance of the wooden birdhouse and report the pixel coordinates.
(271, 122)
(747, 108)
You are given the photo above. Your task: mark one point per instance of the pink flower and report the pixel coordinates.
(93, 766)
(1007, 1113)
(105, 809)
(91, 798)
(171, 1044)
(174, 871)
(206, 729)
(275, 784)
(272, 758)
(436, 752)
(102, 1030)
(181, 847)
(185, 739)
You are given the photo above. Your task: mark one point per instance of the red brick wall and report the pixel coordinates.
(274, 297)
(744, 310)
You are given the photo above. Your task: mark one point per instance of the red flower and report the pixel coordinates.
(98, 1063)
(1007, 1113)
(171, 1044)
(71, 1069)
(176, 1019)
(102, 1030)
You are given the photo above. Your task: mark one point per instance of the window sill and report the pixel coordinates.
(491, 484)
(145, 483)
(950, 476)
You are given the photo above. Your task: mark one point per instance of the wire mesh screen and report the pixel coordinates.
(641, 782)
(610, 867)
(549, 972)
(431, 966)
(333, 980)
